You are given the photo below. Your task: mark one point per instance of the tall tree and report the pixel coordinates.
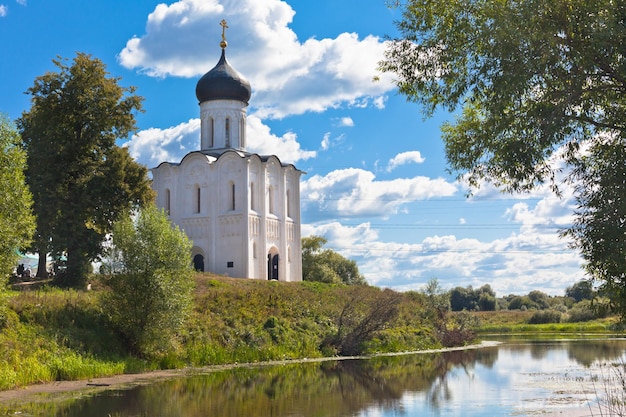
(17, 222)
(80, 179)
(326, 265)
(538, 81)
(599, 231)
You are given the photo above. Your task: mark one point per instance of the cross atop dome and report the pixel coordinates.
(223, 43)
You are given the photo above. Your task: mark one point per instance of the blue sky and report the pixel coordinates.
(376, 185)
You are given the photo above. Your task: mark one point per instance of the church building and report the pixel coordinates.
(240, 209)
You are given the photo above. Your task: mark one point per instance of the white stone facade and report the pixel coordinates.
(241, 210)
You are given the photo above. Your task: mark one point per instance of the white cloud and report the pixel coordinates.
(153, 146)
(519, 263)
(287, 76)
(262, 141)
(355, 192)
(21, 2)
(325, 141)
(3, 10)
(346, 122)
(405, 158)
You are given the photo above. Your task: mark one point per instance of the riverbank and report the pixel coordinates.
(95, 385)
(48, 334)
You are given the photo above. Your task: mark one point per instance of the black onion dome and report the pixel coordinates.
(223, 82)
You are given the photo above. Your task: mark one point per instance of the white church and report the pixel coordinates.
(240, 209)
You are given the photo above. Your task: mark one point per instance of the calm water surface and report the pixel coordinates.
(517, 377)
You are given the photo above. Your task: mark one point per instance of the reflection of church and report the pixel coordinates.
(242, 210)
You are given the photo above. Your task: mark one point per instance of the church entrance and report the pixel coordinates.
(272, 266)
(198, 263)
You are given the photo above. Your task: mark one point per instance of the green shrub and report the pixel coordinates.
(545, 316)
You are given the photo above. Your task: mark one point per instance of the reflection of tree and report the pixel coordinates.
(586, 352)
(333, 388)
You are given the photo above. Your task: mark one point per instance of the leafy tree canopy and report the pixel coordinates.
(80, 179)
(17, 222)
(531, 77)
(326, 265)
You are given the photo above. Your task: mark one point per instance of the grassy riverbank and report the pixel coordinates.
(517, 321)
(49, 334)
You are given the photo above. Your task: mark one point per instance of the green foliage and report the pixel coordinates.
(532, 76)
(17, 222)
(152, 282)
(521, 302)
(483, 298)
(80, 179)
(599, 231)
(545, 316)
(582, 290)
(327, 265)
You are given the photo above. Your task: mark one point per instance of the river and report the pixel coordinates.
(516, 377)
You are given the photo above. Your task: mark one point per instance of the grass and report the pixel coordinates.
(516, 321)
(51, 334)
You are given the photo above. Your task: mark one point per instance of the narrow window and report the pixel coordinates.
(288, 205)
(198, 196)
(227, 132)
(271, 199)
(242, 134)
(167, 201)
(252, 206)
(211, 132)
(232, 196)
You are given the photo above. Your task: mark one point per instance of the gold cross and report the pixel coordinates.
(223, 24)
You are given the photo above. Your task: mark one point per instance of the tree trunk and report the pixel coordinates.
(42, 267)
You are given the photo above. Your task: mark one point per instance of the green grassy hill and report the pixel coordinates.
(48, 334)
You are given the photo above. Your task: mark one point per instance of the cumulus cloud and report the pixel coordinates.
(286, 147)
(356, 192)
(403, 158)
(3, 10)
(288, 76)
(519, 263)
(153, 146)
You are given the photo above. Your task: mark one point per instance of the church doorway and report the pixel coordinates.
(272, 265)
(198, 263)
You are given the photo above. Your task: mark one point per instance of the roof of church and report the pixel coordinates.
(215, 154)
(223, 82)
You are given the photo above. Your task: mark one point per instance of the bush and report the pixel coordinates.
(545, 316)
(585, 311)
(151, 297)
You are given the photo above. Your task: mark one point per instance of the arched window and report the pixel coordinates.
(198, 197)
(252, 205)
(168, 201)
(242, 133)
(288, 205)
(227, 132)
(232, 196)
(211, 132)
(271, 199)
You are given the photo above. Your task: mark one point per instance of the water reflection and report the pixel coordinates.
(516, 377)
